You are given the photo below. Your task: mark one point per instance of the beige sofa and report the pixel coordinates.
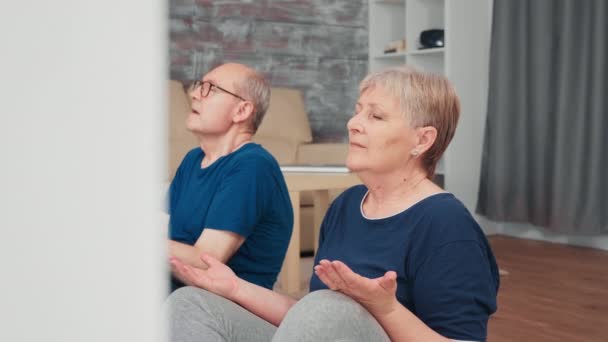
(285, 132)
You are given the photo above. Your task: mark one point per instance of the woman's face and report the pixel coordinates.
(380, 136)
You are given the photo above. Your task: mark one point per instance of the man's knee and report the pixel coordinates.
(185, 294)
(194, 308)
(190, 298)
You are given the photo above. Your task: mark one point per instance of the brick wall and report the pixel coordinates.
(317, 46)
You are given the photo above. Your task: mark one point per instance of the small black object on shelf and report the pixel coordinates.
(430, 39)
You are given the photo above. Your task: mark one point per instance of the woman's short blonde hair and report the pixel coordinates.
(426, 99)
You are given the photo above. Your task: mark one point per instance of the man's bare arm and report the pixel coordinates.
(220, 244)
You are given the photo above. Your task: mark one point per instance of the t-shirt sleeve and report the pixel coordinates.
(173, 191)
(175, 188)
(454, 291)
(322, 232)
(176, 183)
(327, 223)
(241, 199)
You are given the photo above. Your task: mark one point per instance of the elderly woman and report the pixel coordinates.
(399, 258)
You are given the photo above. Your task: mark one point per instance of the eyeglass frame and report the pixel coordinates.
(201, 84)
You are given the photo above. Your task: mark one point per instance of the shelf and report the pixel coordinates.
(390, 2)
(391, 55)
(425, 51)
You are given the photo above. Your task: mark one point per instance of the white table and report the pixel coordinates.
(319, 183)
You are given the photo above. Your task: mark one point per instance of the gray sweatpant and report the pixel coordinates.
(196, 315)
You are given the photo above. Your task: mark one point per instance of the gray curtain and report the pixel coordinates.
(545, 159)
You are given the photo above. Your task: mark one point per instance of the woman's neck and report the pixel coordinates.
(393, 193)
(217, 147)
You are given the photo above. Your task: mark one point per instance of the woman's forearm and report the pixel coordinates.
(267, 304)
(401, 325)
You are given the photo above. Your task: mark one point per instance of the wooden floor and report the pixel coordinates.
(552, 292)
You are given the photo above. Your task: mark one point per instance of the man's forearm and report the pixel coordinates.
(186, 253)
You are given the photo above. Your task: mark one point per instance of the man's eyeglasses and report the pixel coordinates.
(206, 87)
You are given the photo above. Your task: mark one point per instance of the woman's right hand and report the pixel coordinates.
(217, 278)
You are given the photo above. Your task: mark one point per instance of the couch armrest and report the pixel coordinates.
(322, 154)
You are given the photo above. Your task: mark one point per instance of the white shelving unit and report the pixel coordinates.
(463, 59)
(404, 19)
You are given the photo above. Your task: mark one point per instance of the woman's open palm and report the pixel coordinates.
(377, 295)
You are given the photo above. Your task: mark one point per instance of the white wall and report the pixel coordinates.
(468, 38)
(81, 148)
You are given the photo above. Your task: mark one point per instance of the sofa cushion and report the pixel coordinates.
(286, 117)
(283, 150)
(322, 154)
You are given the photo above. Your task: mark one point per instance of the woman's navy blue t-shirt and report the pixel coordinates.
(446, 272)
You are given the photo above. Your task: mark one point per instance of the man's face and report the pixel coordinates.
(213, 114)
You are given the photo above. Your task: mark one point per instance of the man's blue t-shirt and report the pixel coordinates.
(243, 192)
(446, 272)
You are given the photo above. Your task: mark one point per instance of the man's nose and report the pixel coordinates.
(195, 93)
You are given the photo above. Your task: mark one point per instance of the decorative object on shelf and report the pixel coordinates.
(395, 46)
(433, 38)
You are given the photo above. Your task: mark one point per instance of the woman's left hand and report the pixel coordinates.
(376, 295)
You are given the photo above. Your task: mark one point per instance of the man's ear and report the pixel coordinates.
(426, 138)
(244, 112)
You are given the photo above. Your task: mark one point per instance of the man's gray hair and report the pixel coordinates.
(256, 89)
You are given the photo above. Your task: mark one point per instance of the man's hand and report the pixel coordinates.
(217, 278)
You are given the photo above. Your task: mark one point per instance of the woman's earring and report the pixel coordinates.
(415, 153)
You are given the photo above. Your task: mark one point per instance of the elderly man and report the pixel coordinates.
(228, 198)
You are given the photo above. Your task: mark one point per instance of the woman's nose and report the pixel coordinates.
(354, 124)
